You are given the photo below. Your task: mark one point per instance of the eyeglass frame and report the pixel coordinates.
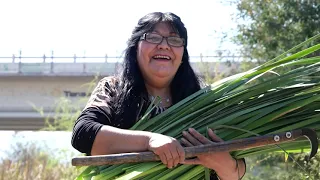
(143, 37)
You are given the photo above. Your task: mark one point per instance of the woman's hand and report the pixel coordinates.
(167, 148)
(222, 162)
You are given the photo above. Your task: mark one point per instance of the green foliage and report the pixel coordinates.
(212, 71)
(274, 166)
(66, 110)
(207, 74)
(266, 29)
(269, 28)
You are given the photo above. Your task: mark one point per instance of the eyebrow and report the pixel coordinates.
(171, 33)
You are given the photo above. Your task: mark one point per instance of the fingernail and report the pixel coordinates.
(184, 133)
(191, 129)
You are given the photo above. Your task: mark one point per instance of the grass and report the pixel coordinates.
(32, 161)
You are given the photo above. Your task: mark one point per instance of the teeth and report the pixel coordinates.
(161, 57)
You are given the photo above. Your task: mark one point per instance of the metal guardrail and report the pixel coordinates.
(44, 59)
(220, 54)
(59, 68)
(89, 69)
(82, 65)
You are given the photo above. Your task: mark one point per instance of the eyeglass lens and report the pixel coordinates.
(156, 38)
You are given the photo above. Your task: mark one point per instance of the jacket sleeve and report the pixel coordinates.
(97, 112)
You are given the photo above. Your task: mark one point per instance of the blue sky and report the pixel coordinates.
(99, 27)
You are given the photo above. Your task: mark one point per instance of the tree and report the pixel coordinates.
(268, 28)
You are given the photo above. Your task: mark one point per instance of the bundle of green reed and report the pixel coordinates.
(259, 101)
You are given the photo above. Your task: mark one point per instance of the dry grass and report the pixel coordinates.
(30, 161)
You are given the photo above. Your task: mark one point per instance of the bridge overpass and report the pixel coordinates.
(24, 86)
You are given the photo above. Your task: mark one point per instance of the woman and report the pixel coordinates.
(156, 63)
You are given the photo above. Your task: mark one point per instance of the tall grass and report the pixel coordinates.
(32, 161)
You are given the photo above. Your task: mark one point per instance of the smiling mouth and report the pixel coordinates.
(161, 58)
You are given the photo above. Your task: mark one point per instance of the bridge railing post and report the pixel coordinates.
(44, 58)
(19, 67)
(51, 64)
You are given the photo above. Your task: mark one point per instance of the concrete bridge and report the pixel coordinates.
(24, 87)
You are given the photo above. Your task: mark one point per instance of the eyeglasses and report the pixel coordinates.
(157, 39)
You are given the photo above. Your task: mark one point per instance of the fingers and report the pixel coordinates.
(169, 158)
(175, 159)
(213, 136)
(181, 153)
(166, 158)
(169, 150)
(163, 158)
(186, 142)
(195, 161)
(172, 155)
(191, 138)
(194, 137)
(199, 136)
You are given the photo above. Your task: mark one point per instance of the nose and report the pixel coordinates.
(164, 44)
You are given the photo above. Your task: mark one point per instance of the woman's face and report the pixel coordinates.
(159, 62)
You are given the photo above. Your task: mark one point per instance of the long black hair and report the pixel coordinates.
(132, 90)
